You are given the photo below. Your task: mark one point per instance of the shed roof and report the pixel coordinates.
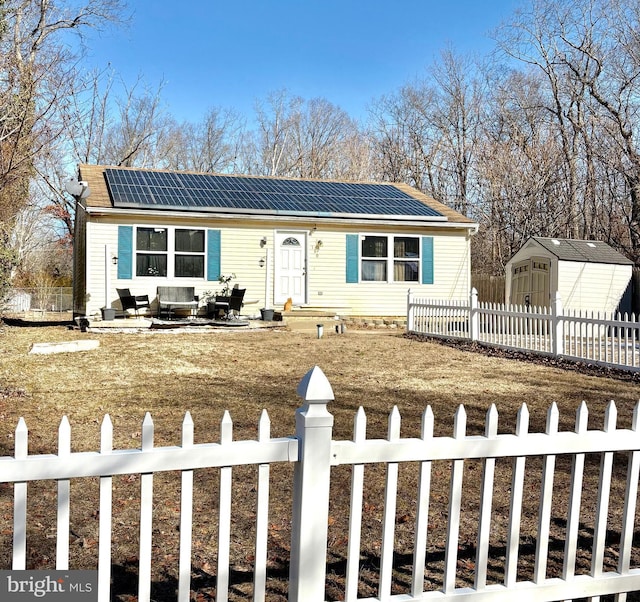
(146, 189)
(586, 251)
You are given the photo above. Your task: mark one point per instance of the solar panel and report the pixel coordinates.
(198, 192)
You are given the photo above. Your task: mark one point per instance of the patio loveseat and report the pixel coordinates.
(171, 298)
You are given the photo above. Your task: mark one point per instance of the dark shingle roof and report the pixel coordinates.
(588, 251)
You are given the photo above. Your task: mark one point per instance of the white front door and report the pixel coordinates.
(290, 267)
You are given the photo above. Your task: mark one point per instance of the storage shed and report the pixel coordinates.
(588, 274)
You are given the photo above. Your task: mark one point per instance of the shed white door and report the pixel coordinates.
(530, 282)
(290, 267)
(520, 282)
(540, 293)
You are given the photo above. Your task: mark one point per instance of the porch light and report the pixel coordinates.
(114, 260)
(262, 262)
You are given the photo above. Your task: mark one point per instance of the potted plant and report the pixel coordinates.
(226, 284)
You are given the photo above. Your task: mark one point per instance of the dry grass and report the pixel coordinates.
(168, 373)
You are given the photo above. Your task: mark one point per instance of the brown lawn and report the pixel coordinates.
(206, 373)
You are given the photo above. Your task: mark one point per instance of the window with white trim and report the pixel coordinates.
(170, 252)
(388, 258)
(151, 252)
(189, 253)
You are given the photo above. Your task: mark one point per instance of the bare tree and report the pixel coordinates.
(37, 246)
(99, 127)
(428, 133)
(36, 67)
(405, 140)
(88, 117)
(354, 159)
(211, 145)
(522, 170)
(134, 137)
(457, 115)
(305, 139)
(276, 117)
(318, 135)
(590, 54)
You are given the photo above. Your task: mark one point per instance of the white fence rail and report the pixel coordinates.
(314, 454)
(600, 338)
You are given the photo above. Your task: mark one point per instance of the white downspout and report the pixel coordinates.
(267, 279)
(107, 274)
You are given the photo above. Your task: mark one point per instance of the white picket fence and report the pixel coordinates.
(605, 339)
(314, 454)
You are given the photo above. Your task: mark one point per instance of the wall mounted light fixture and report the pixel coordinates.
(114, 260)
(263, 241)
(262, 262)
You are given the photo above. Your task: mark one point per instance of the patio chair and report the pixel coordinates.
(228, 305)
(130, 301)
(235, 301)
(221, 306)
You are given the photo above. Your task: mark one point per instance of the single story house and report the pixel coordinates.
(588, 274)
(351, 248)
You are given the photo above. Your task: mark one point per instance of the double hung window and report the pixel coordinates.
(170, 252)
(390, 258)
(375, 258)
(189, 253)
(151, 252)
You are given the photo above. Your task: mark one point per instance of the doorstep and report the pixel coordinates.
(308, 313)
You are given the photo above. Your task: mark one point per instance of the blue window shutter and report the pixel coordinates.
(213, 254)
(125, 252)
(352, 258)
(427, 260)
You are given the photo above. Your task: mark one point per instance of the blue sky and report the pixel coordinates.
(228, 54)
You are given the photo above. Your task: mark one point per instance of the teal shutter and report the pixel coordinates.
(213, 254)
(427, 260)
(352, 258)
(125, 252)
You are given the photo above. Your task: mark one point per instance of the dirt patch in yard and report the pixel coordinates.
(243, 372)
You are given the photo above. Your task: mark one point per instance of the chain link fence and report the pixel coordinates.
(54, 299)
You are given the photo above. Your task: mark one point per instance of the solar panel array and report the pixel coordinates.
(202, 192)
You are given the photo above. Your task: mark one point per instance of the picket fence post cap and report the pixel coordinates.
(315, 387)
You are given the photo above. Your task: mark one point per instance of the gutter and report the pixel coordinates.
(359, 219)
